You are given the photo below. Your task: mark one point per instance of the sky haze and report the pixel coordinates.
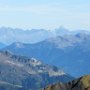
(48, 14)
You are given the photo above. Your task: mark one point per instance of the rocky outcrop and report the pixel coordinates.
(82, 83)
(28, 73)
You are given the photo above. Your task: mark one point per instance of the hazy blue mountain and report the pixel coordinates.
(10, 35)
(62, 31)
(2, 45)
(70, 52)
(23, 73)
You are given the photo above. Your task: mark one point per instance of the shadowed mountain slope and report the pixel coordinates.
(28, 73)
(82, 83)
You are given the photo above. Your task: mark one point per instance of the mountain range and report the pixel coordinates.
(82, 83)
(9, 35)
(34, 59)
(24, 73)
(70, 51)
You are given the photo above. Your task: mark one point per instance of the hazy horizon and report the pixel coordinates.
(47, 14)
(52, 29)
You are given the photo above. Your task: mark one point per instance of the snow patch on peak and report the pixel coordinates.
(35, 62)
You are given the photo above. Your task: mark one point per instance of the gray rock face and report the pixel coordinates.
(28, 73)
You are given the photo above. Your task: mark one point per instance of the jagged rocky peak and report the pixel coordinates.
(82, 83)
(37, 65)
(62, 31)
(29, 73)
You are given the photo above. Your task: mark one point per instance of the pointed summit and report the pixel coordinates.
(62, 30)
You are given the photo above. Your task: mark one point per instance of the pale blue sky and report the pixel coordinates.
(48, 14)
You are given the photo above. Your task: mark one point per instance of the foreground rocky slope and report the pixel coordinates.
(82, 83)
(23, 73)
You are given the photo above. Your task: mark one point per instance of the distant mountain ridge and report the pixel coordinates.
(10, 35)
(70, 52)
(23, 73)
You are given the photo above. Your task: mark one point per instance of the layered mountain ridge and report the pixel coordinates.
(70, 51)
(20, 68)
(9, 35)
(23, 73)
